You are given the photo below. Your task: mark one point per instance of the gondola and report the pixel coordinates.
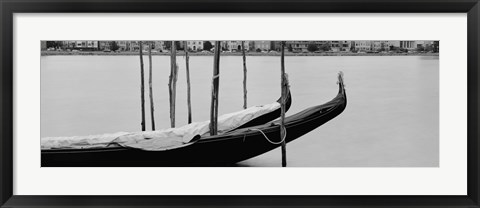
(219, 150)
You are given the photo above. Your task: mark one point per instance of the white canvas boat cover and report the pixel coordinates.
(161, 139)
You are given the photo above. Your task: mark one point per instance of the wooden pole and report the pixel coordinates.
(150, 85)
(189, 101)
(142, 85)
(244, 76)
(284, 87)
(173, 82)
(215, 83)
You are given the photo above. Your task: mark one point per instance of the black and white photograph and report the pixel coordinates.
(239, 103)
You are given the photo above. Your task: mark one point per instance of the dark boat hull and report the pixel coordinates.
(221, 150)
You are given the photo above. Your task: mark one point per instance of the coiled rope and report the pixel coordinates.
(268, 139)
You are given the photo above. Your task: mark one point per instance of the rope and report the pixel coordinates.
(272, 142)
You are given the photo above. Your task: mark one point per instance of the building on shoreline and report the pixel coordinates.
(276, 45)
(340, 45)
(262, 45)
(80, 45)
(300, 45)
(159, 46)
(322, 45)
(408, 44)
(123, 45)
(368, 46)
(194, 45)
(383, 45)
(362, 45)
(103, 45)
(233, 46)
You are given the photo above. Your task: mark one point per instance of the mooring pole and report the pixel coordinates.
(142, 83)
(215, 83)
(150, 85)
(284, 87)
(244, 76)
(189, 101)
(173, 82)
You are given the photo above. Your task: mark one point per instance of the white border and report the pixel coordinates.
(449, 179)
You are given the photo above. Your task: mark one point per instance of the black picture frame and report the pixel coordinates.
(9, 7)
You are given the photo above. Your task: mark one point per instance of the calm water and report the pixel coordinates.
(391, 120)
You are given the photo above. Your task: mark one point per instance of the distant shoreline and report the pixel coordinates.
(181, 53)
